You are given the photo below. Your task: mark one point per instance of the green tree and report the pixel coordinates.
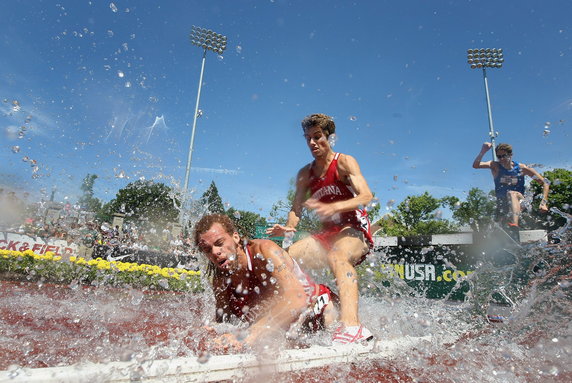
(477, 211)
(144, 201)
(87, 201)
(560, 196)
(212, 201)
(309, 221)
(416, 215)
(246, 221)
(373, 209)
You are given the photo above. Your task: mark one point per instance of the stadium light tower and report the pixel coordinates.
(487, 58)
(209, 41)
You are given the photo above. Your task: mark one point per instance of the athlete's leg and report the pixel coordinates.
(309, 254)
(346, 252)
(514, 198)
(331, 314)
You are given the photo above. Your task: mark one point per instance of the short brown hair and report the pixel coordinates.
(324, 122)
(208, 221)
(504, 147)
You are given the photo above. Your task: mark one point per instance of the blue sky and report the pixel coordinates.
(95, 76)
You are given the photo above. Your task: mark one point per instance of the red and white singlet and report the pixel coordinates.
(330, 189)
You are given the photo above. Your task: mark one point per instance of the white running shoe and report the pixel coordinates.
(351, 334)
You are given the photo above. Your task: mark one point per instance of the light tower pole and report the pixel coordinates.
(208, 40)
(487, 58)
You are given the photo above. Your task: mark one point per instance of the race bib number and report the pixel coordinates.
(321, 302)
(363, 220)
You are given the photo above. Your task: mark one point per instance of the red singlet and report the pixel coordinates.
(330, 189)
(318, 296)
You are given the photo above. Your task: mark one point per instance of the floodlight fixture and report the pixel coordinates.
(485, 58)
(209, 41)
(482, 58)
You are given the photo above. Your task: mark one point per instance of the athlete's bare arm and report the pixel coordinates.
(532, 173)
(302, 180)
(285, 307)
(478, 163)
(350, 173)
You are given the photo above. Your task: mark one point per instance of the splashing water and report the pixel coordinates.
(49, 325)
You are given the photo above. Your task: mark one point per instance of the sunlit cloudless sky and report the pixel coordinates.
(84, 84)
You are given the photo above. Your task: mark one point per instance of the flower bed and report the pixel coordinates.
(27, 265)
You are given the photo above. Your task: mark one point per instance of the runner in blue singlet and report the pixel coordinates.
(509, 182)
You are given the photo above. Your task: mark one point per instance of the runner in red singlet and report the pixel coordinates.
(338, 192)
(258, 282)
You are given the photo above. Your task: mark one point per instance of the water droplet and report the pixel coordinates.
(25, 158)
(16, 106)
(390, 203)
(352, 118)
(121, 174)
(15, 149)
(136, 297)
(374, 203)
(236, 214)
(332, 139)
(272, 280)
(203, 357)
(238, 49)
(113, 7)
(13, 371)
(128, 84)
(269, 265)
(120, 74)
